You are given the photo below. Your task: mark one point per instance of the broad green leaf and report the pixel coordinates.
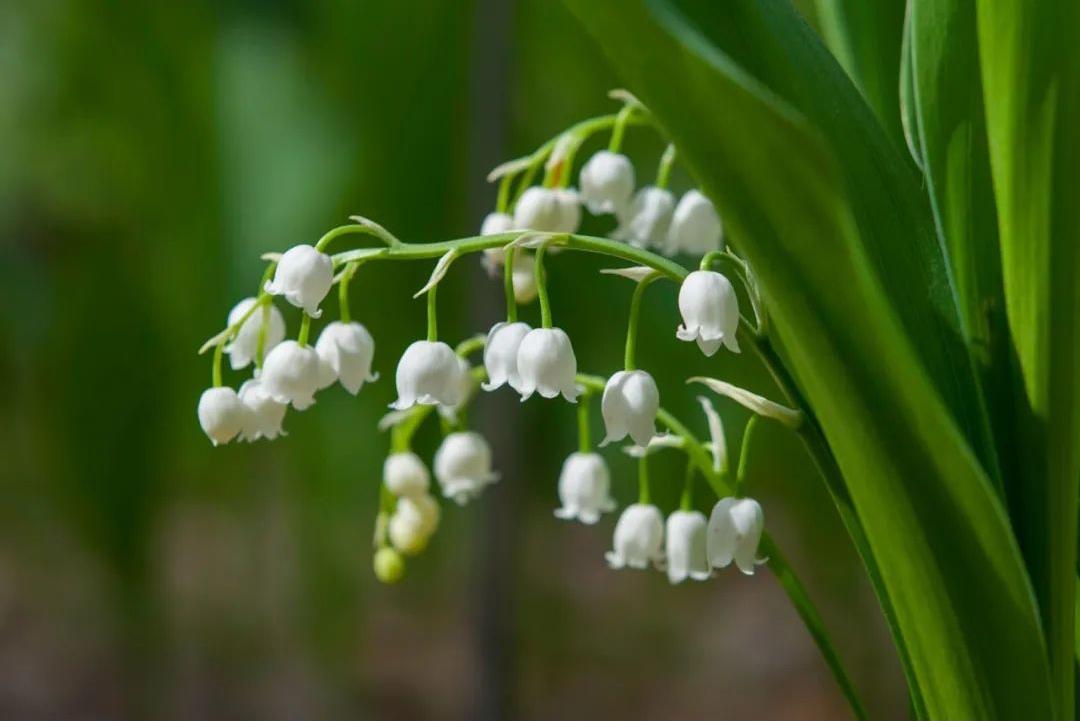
(865, 37)
(951, 131)
(1031, 81)
(938, 543)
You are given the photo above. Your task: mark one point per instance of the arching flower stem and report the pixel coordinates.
(584, 426)
(686, 499)
(432, 317)
(644, 495)
(635, 314)
(744, 454)
(305, 330)
(667, 162)
(541, 287)
(508, 285)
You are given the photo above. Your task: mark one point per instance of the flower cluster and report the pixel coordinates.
(530, 222)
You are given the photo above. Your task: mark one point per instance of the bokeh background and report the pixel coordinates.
(149, 152)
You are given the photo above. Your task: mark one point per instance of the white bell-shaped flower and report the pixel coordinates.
(495, 223)
(501, 354)
(629, 406)
(607, 182)
(639, 538)
(245, 344)
(428, 374)
(546, 365)
(735, 529)
(710, 312)
(695, 227)
(291, 373)
(645, 222)
(264, 414)
(414, 520)
(304, 276)
(569, 211)
(463, 386)
(524, 278)
(221, 414)
(463, 466)
(346, 351)
(404, 474)
(686, 547)
(584, 488)
(540, 209)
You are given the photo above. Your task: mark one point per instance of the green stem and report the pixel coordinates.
(503, 200)
(508, 285)
(709, 258)
(619, 128)
(644, 497)
(584, 428)
(346, 230)
(432, 320)
(667, 161)
(260, 346)
(744, 454)
(632, 326)
(343, 291)
(541, 287)
(215, 373)
(305, 329)
(686, 500)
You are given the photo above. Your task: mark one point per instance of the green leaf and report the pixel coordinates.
(855, 282)
(1031, 81)
(865, 37)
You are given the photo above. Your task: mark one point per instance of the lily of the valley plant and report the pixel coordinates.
(899, 246)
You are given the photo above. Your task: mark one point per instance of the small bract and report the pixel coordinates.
(221, 414)
(735, 528)
(629, 407)
(463, 466)
(546, 365)
(710, 312)
(427, 374)
(264, 414)
(291, 374)
(607, 183)
(346, 351)
(304, 276)
(584, 488)
(245, 345)
(686, 547)
(639, 538)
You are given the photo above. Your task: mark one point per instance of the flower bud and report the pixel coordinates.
(501, 354)
(584, 488)
(735, 528)
(639, 537)
(245, 345)
(645, 223)
(303, 276)
(264, 415)
(221, 414)
(546, 365)
(686, 547)
(710, 312)
(538, 209)
(427, 374)
(413, 523)
(695, 227)
(291, 374)
(607, 183)
(463, 466)
(629, 406)
(389, 566)
(346, 351)
(404, 474)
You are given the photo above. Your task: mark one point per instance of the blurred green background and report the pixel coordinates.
(149, 152)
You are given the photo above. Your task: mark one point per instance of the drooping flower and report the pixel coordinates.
(639, 538)
(427, 374)
(524, 278)
(245, 345)
(221, 414)
(584, 488)
(291, 374)
(304, 276)
(645, 222)
(404, 474)
(569, 211)
(494, 224)
(629, 406)
(607, 182)
(346, 351)
(413, 522)
(546, 365)
(462, 388)
(710, 312)
(264, 414)
(501, 354)
(735, 528)
(463, 466)
(686, 547)
(695, 227)
(539, 209)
